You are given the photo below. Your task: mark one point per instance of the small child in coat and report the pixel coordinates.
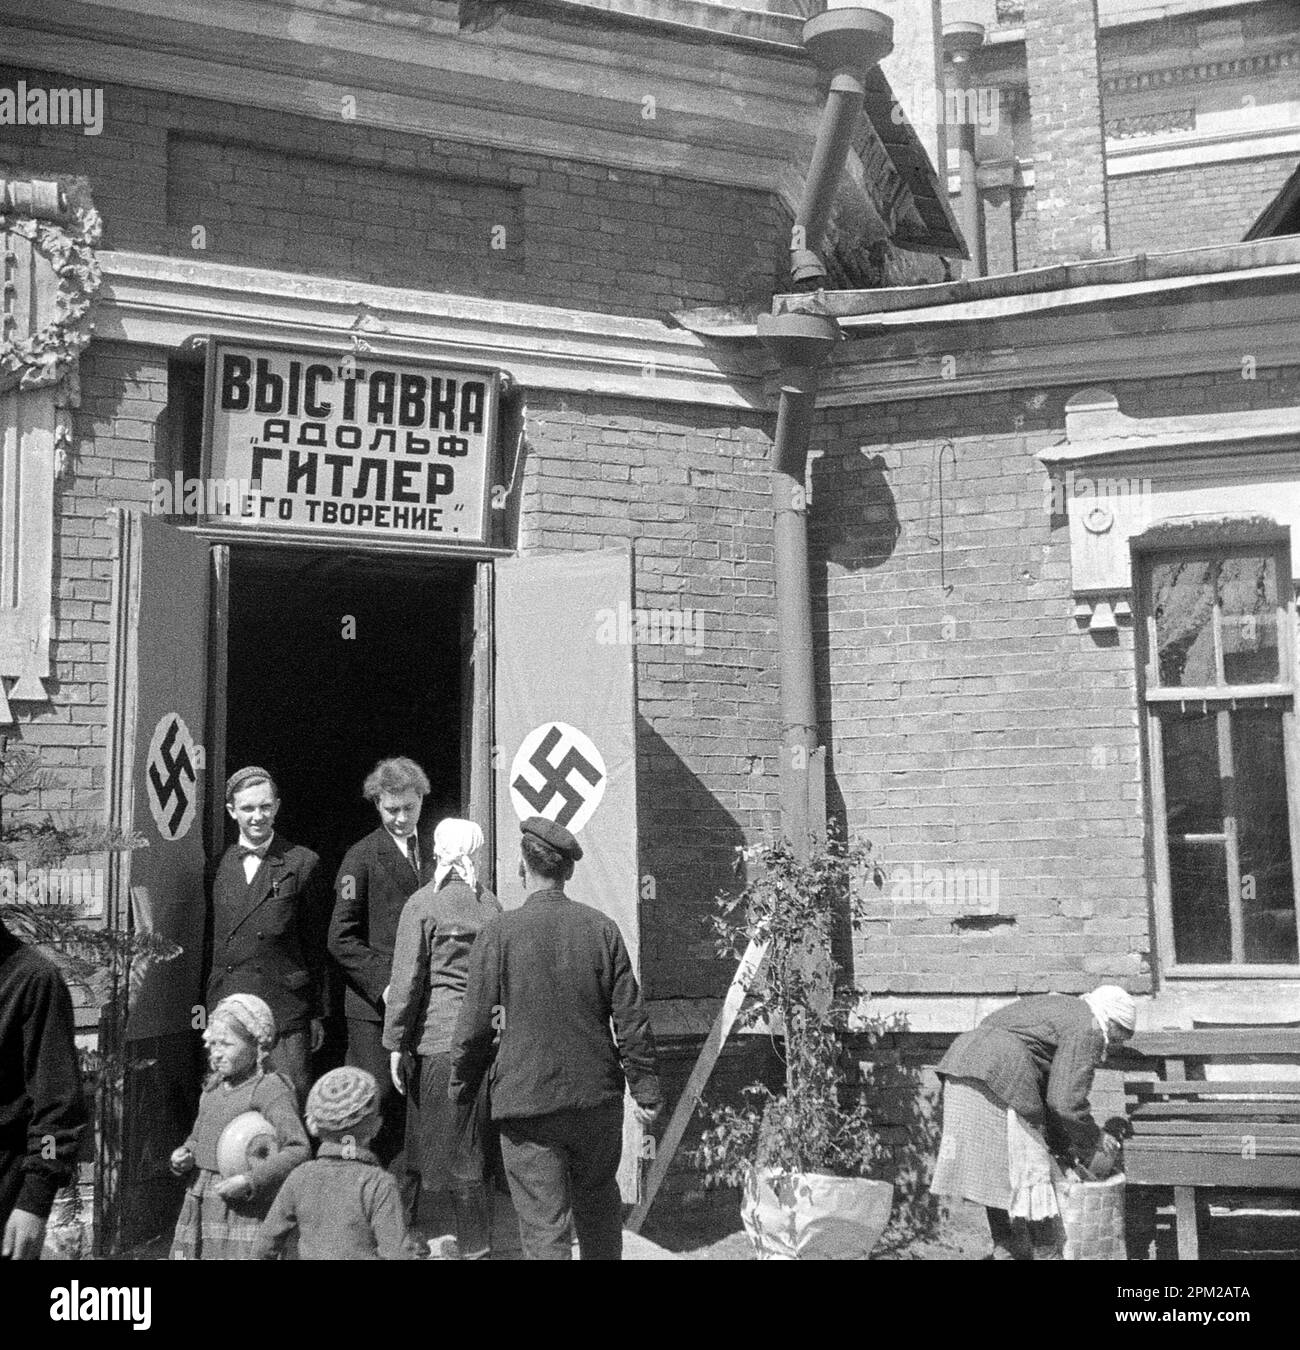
(219, 1218)
(343, 1205)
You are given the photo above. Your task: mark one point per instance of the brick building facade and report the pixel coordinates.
(1197, 103)
(509, 197)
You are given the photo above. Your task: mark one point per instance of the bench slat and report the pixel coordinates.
(1168, 1167)
(1284, 1146)
(1218, 1110)
(1193, 1088)
(1208, 1129)
(1217, 1041)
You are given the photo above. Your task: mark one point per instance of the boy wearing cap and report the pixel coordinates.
(342, 1205)
(267, 925)
(546, 982)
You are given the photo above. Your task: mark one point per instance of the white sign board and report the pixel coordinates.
(321, 444)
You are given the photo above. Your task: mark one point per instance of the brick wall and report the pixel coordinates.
(973, 724)
(1069, 149)
(367, 204)
(1192, 207)
(689, 487)
(123, 391)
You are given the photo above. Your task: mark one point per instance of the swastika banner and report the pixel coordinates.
(565, 723)
(165, 645)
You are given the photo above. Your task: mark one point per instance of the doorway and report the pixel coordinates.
(336, 660)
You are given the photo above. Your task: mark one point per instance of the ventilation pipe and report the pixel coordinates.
(846, 44)
(960, 42)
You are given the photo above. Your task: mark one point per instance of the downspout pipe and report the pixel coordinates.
(801, 343)
(846, 44)
(960, 42)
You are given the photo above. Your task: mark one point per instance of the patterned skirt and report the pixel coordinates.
(210, 1230)
(974, 1163)
(988, 1154)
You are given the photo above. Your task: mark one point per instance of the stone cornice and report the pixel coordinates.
(1201, 72)
(1096, 431)
(166, 302)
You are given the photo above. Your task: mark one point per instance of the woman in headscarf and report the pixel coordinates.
(445, 1142)
(1015, 1090)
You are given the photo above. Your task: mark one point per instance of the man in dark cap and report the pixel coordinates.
(270, 912)
(546, 981)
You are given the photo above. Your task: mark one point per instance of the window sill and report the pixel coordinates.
(1274, 972)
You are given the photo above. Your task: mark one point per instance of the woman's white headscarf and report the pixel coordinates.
(454, 843)
(1110, 1003)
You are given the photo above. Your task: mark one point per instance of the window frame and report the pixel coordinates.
(1156, 701)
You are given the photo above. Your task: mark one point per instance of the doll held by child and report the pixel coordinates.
(343, 1206)
(220, 1216)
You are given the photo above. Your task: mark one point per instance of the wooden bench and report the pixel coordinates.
(1191, 1132)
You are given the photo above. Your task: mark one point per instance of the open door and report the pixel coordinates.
(476, 714)
(157, 761)
(565, 705)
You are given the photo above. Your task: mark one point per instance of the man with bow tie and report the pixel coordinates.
(270, 912)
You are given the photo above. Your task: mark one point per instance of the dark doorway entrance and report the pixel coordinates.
(337, 660)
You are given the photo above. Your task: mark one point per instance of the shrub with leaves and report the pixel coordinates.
(799, 909)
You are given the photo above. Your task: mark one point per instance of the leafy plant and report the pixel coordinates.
(799, 909)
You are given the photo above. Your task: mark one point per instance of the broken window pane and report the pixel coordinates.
(1248, 620)
(1183, 600)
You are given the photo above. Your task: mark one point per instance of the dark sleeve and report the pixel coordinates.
(632, 1031)
(367, 969)
(473, 1043)
(279, 1104)
(281, 1220)
(314, 911)
(53, 1084)
(409, 977)
(1069, 1083)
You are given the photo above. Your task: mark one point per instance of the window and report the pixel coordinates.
(1220, 717)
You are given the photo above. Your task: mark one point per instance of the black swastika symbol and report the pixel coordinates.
(555, 778)
(177, 768)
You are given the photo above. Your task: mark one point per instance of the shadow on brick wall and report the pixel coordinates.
(688, 842)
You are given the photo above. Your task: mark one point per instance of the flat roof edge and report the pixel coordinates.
(1210, 262)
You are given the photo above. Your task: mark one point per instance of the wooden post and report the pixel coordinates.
(748, 969)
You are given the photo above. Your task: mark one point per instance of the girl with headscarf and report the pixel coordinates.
(1016, 1089)
(445, 1142)
(220, 1216)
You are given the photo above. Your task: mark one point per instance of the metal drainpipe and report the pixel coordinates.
(960, 41)
(846, 43)
(801, 343)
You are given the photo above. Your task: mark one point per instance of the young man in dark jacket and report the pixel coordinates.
(379, 874)
(42, 1108)
(545, 983)
(270, 911)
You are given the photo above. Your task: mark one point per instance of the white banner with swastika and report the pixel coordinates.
(565, 723)
(558, 773)
(172, 767)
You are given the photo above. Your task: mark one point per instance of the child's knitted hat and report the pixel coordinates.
(341, 1100)
(251, 1014)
